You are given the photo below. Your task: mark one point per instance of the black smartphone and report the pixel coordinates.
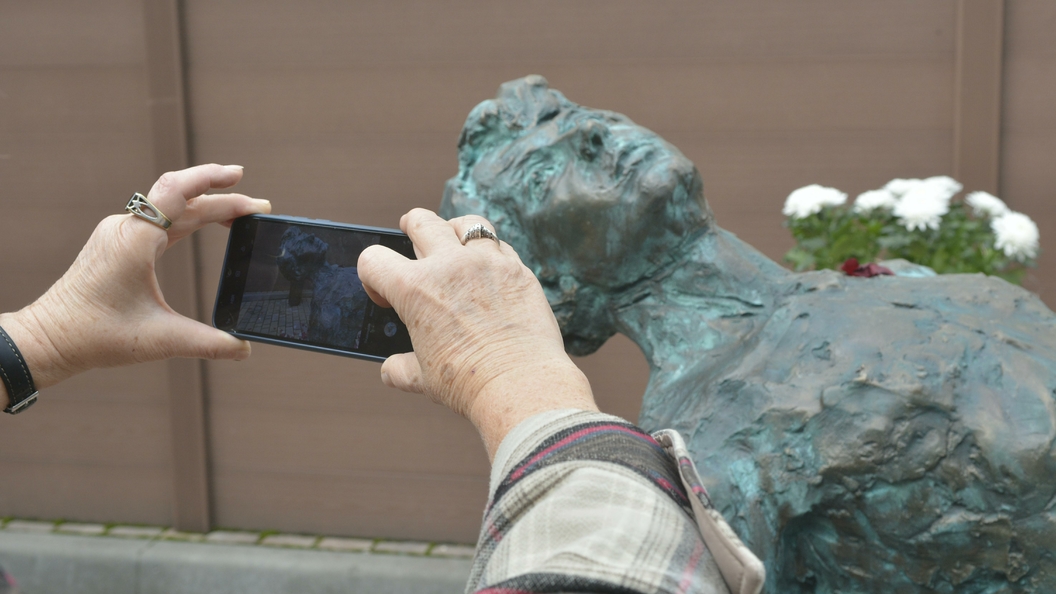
(293, 282)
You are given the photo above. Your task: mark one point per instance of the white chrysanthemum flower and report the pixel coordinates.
(810, 200)
(922, 202)
(874, 199)
(942, 186)
(922, 207)
(899, 186)
(986, 204)
(1016, 235)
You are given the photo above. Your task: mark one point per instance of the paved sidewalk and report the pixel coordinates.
(275, 317)
(72, 563)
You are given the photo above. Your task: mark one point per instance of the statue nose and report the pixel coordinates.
(665, 174)
(591, 139)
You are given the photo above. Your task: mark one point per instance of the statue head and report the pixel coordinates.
(593, 203)
(301, 255)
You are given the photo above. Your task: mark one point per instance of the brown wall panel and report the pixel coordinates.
(101, 444)
(375, 504)
(318, 33)
(746, 178)
(1028, 165)
(79, 160)
(96, 448)
(429, 466)
(977, 94)
(67, 33)
(894, 92)
(86, 493)
(618, 376)
(282, 439)
(74, 143)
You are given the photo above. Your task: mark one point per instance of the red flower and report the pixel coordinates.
(852, 268)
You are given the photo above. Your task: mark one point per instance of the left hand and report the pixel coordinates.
(108, 310)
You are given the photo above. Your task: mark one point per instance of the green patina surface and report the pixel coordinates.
(888, 434)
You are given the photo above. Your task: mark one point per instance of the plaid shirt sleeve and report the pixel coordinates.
(587, 502)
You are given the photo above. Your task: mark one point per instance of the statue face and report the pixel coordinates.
(592, 202)
(591, 191)
(301, 256)
(597, 187)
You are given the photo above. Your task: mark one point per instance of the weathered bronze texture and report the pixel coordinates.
(877, 434)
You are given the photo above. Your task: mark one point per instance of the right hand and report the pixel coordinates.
(486, 343)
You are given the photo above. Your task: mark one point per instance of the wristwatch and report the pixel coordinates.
(21, 392)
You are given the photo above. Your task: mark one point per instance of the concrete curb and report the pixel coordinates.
(52, 563)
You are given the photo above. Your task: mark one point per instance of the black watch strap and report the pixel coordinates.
(21, 392)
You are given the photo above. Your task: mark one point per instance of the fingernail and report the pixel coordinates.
(262, 201)
(385, 378)
(235, 167)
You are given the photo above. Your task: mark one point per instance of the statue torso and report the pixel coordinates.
(881, 426)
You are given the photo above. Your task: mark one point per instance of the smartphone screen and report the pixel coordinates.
(293, 282)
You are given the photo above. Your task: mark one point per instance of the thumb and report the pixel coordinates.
(193, 339)
(381, 270)
(403, 372)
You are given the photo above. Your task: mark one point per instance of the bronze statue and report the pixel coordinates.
(885, 434)
(339, 303)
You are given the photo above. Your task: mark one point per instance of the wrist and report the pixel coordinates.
(508, 400)
(28, 331)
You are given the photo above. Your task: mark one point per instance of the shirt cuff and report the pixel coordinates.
(530, 433)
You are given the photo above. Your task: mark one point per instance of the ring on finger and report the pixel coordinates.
(144, 209)
(479, 231)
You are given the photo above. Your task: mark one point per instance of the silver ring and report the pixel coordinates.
(142, 208)
(478, 231)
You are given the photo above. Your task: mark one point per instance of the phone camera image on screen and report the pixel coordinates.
(295, 282)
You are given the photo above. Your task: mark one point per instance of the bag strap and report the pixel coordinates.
(742, 571)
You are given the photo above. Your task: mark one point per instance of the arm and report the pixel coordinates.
(587, 502)
(108, 310)
(580, 501)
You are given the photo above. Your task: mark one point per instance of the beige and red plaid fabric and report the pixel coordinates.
(587, 502)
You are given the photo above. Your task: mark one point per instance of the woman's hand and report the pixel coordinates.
(486, 343)
(108, 309)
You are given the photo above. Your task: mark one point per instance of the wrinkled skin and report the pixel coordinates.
(885, 434)
(107, 310)
(485, 342)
